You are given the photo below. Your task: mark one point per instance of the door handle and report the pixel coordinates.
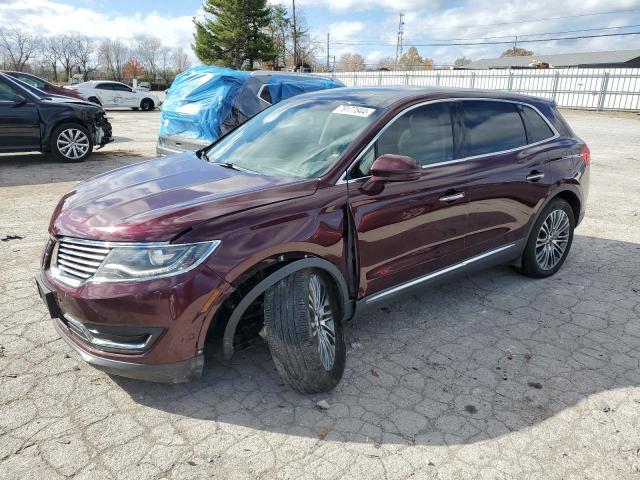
(452, 198)
(535, 176)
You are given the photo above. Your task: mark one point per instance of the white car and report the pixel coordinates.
(115, 94)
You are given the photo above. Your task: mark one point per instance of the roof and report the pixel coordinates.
(384, 97)
(558, 60)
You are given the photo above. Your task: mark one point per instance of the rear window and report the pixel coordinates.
(492, 127)
(537, 129)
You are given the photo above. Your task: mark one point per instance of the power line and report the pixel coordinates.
(611, 12)
(511, 36)
(537, 40)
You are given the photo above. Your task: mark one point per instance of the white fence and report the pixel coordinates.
(590, 88)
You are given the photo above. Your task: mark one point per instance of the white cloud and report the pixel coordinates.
(344, 6)
(50, 17)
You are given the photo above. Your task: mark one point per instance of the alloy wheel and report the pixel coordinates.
(552, 239)
(73, 143)
(322, 322)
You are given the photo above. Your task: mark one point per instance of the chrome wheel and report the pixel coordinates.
(321, 316)
(552, 239)
(73, 143)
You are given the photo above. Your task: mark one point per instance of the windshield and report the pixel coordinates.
(294, 139)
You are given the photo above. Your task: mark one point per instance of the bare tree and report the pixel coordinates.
(84, 48)
(19, 46)
(113, 54)
(65, 46)
(147, 48)
(351, 62)
(51, 55)
(461, 62)
(386, 63)
(180, 60)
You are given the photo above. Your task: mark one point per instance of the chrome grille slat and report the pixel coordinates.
(76, 266)
(78, 262)
(82, 254)
(73, 272)
(82, 248)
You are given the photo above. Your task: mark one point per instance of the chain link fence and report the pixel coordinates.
(587, 88)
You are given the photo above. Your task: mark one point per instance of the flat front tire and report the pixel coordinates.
(305, 332)
(549, 241)
(71, 142)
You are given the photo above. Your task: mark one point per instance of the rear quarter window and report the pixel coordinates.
(492, 127)
(537, 129)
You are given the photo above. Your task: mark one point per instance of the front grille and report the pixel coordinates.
(79, 260)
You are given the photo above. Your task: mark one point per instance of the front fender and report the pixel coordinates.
(272, 279)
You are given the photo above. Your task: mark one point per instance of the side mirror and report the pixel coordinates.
(391, 168)
(19, 100)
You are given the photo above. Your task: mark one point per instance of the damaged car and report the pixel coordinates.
(310, 213)
(206, 102)
(33, 120)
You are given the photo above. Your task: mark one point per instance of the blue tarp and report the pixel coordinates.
(205, 102)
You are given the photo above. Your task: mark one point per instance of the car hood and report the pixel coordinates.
(158, 199)
(54, 98)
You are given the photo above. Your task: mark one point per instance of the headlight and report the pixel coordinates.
(149, 261)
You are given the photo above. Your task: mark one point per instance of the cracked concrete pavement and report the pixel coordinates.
(494, 376)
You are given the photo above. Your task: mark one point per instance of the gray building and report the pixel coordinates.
(610, 59)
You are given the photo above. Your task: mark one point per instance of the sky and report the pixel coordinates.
(368, 27)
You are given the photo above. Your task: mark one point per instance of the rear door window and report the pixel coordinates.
(492, 126)
(537, 129)
(104, 86)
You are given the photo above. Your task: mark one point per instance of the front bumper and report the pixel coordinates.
(173, 355)
(177, 372)
(103, 132)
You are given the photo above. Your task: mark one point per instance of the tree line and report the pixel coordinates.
(61, 58)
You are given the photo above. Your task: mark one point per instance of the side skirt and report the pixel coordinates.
(504, 254)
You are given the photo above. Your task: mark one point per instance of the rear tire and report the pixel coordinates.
(71, 142)
(305, 331)
(95, 100)
(147, 105)
(550, 240)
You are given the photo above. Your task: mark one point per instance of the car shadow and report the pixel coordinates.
(470, 360)
(39, 168)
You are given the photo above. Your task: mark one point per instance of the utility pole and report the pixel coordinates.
(515, 44)
(295, 38)
(327, 51)
(399, 41)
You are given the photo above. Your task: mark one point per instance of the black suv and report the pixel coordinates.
(32, 120)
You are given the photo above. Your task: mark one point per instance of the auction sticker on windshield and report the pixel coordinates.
(354, 110)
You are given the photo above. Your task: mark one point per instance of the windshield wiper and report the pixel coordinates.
(203, 156)
(228, 165)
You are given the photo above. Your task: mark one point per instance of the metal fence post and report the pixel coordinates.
(473, 80)
(556, 80)
(406, 78)
(510, 85)
(603, 91)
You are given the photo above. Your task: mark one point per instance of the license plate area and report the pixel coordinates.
(48, 297)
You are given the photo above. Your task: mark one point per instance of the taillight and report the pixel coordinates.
(585, 153)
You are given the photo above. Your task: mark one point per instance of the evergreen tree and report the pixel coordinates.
(233, 34)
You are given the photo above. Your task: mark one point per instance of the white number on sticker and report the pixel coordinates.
(354, 110)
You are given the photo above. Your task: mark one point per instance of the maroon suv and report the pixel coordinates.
(313, 210)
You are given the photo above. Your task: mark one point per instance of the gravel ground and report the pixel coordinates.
(493, 376)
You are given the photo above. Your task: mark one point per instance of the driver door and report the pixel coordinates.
(411, 228)
(125, 96)
(19, 123)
